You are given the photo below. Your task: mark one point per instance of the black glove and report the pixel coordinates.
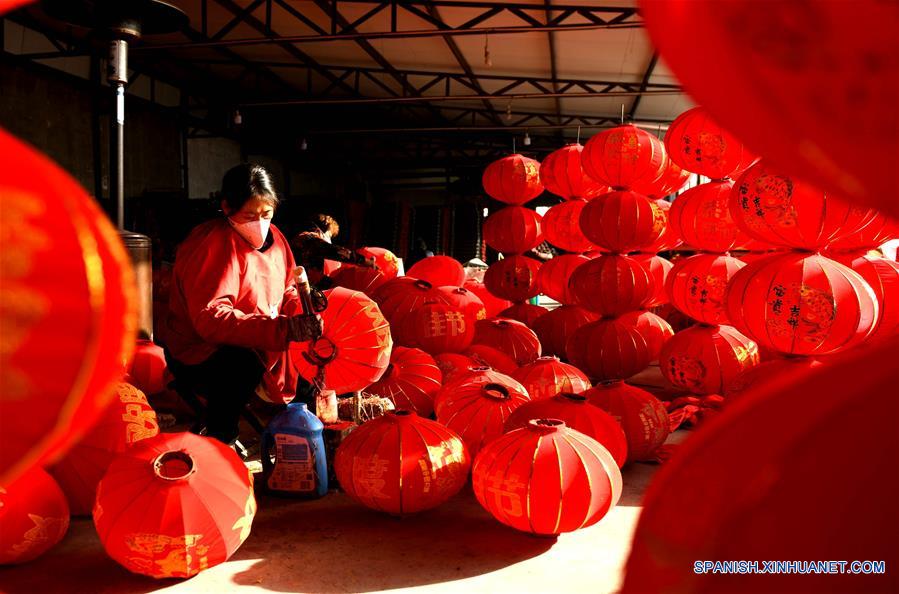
(304, 327)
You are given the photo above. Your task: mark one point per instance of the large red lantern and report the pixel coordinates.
(882, 275)
(126, 420)
(34, 516)
(705, 359)
(642, 416)
(622, 221)
(147, 370)
(477, 405)
(658, 268)
(513, 278)
(624, 157)
(513, 230)
(611, 285)
(452, 365)
(358, 278)
(696, 143)
(524, 312)
(562, 227)
(411, 380)
(608, 349)
(562, 174)
(669, 239)
(547, 376)
(577, 413)
(492, 303)
(354, 348)
(672, 179)
(701, 217)
(546, 479)
(436, 327)
(68, 313)
(696, 286)
(510, 337)
(404, 294)
(488, 356)
(556, 327)
(401, 463)
(465, 300)
(789, 303)
(875, 233)
(386, 261)
(439, 271)
(655, 330)
(555, 274)
(514, 179)
(173, 505)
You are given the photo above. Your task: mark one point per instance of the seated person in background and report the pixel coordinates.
(234, 306)
(313, 246)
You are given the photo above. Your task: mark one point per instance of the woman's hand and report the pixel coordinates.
(304, 327)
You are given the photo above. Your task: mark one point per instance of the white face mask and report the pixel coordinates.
(254, 232)
(327, 236)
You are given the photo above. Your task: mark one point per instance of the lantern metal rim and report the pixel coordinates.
(171, 455)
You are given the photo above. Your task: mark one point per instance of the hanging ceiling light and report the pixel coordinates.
(303, 145)
(238, 119)
(527, 138)
(509, 111)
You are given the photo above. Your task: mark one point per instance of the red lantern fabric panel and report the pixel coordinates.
(658, 268)
(655, 330)
(513, 278)
(435, 328)
(493, 304)
(554, 276)
(672, 179)
(148, 367)
(547, 376)
(465, 300)
(562, 174)
(669, 239)
(510, 337)
(556, 327)
(697, 285)
(696, 143)
(623, 157)
(34, 517)
(487, 356)
(452, 365)
(514, 179)
(358, 278)
(876, 232)
(701, 217)
(439, 271)
(404, 294)
(411, 380)
(882, 275)
(611, 285)
(513, 230)
(526, 313)
(642, 416)
(622, 222)
(562, 227)
(705, 359)
(608, 349)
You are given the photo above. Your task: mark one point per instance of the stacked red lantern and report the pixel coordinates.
(696, 143)
(513, 278)
(555, 327)
(655, 329)
(553, 278)
(547, 376)
(705, 359)
(148, 367)
(440, 271)
(493, 304)
(701, 217)
(562, 227)
(452, 365)
(490, 357)
(514, 179)
(402, 295)
(608, 349)
(359, 278)
(509, 337)
(882, 275)
(624, 157)
(611, 285)
(526, 313)
(411, 380)
(658, 268)
(513, 230)
(34, 516)
(562, 173)
(467, 301)
(622, 221)
(642, 416)
(437, 327)
(696, 286)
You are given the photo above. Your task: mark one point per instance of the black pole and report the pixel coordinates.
(118, 76)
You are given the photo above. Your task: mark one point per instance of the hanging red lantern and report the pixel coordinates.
(577, 413)
(34, 517)
(696, 143)
(410, 381)
(477, 405)
(875, 233)
(514, 179)
(675, 318)
(452, 365)
(554, 276)
(386, 261)
(547, 376)
(524, 312)
(467, 301)
(546, 479)
(126, 420)
(513, 278)
(562, 174)
(562, 227)
(622, 221)
(147, 370)
(173, 505)
(359, 278)
(439, 271)
(669, 239)
(705, 359)
(611, 285)
(513, 230)
(354, 348)
(510, 337)
(623, 157)
(401, 463)
(556, 327)
(701, 217)
(672, 179)
(789, 302)
(436, 327)
(608, 349)
(66, 333)
(402, 295)
(697, 285)
(882, 275)
(642, 416)
(767, 372)
(658, 268)
(484, 355)
(492, 303)
(655, 330)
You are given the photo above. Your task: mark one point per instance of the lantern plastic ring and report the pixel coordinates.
(175, 465)
(423, 284)
(573, 396)
(545, 425)
(496, 391)
(321, 352)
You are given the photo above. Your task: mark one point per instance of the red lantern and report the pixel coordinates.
(642, 416)
(655, 330)
(467, 301)
(671, 180)
(439, 271)
(402, 295)
(624, 157)
(675, 318)
(513, 278)
(510, 337)
(547, 376)
(514, 179)
(477, 405)
(705, 359)
(555, 274)
(577, 413)
(452, 364)
(697, 285)
(608, 349)
(696, 143)
(127, 419)
(765, 373)
(875, 233)
(612, 285)
(701, 217)
(524, 312)
(658, 268)
(484, 355)
(562, 227)
(385, 260)
(492, 303)
(435, 328)
(669, 239)
(556, 327)
(9, 5)
(173, 505)
(34, 516)
(69, 310)
(411, 380)
(513, 230)
(546, 479)
(358, 278)
(148, 367)
(789, 302)
(882, 275)
(562, 174)
(622, 221)
(354, 349)
(401, 463)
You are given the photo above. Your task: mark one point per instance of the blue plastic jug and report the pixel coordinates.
(293, 454)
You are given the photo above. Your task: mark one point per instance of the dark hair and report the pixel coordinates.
(246, 181)
(324, 223)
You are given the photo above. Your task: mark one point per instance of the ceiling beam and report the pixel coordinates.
(643, 84)
(554, 75)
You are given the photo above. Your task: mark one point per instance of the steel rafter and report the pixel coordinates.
(644, 84)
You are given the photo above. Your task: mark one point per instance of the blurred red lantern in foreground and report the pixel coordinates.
(354, 349)
(759, 376)
(577, 413)
(611, 285)
(147, 370)
(546, 479)
(435, 328)
(510, 337)
(622, 222)
(697, 285)
(359, 278)
(554, 276)
(34, 517)
(705, 359)
(492, 303)
(658, 268)
(882, 275)
(385, 260)
(654, 329)
(623, 157)
(514, 179)
(642, 416)
(562, 174)
(174, 504)
(701, 217)
(69, 310)
(513, 278)
(127, 419)
(562, 227)
(439, 271)
(452, 365)
(411, 380)
(698, 144)
(608, 349)
(401, 463)
(484, 355)
(556, 327)
(513, 230)
(789, 302)
(465, 300)
(547, 376)
(524, 312)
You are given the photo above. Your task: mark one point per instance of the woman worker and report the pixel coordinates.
(234, 304)
(313, 246)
